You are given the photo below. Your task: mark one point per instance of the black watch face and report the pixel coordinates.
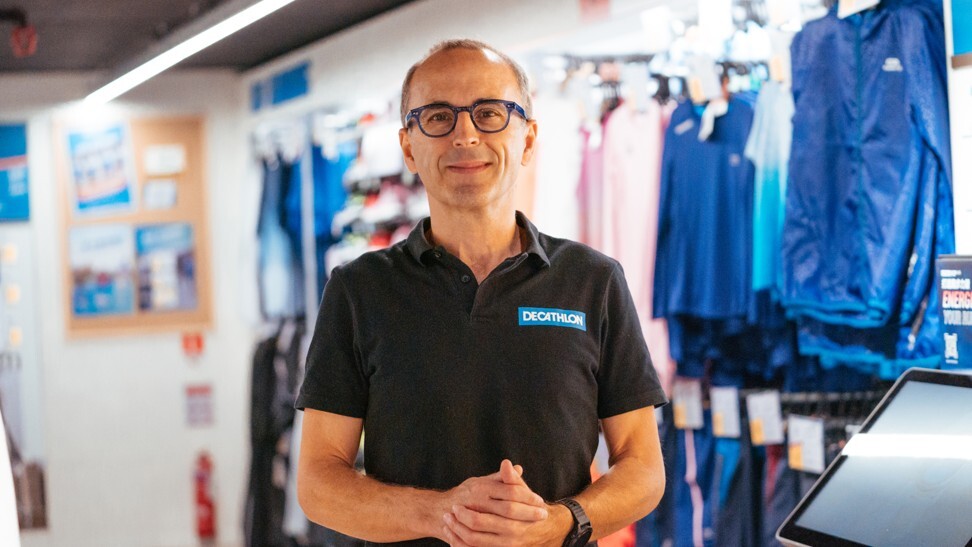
(583, 536)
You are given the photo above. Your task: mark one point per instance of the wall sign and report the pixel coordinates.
(14, 187)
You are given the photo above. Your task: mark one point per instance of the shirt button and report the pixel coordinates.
(437, 254)
(465, 278)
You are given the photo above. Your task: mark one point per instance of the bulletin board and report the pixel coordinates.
(135, 239)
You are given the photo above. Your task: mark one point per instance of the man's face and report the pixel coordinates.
(467, 169)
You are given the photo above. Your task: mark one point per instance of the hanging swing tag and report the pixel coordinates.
(806, 443)
(725, 412)
(687, 404)
(846, 8)
(765, 418)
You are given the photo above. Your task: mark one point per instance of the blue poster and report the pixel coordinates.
(961, 27)
(14, 188)
(166, 267)
(102, 170)
(102, 270)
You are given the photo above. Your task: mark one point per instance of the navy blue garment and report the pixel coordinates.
(739, 518)
(657, 529)
(329, 198)
(292, 221)
(703, 262)
(807, 374)
(789, 486)
(279, 276)
(868, 204)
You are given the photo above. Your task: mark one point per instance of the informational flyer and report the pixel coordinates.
(166, 267)
(14, 194)
(102, 270)
(102, 170)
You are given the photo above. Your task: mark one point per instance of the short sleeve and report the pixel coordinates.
(626, 378)
(334, 380)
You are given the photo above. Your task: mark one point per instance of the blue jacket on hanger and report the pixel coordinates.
(869, 201)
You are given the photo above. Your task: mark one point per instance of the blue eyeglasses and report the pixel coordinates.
(488, 116)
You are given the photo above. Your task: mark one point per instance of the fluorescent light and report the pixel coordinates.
(183, 50)
(947, 447)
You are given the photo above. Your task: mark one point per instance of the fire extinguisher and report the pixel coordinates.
(205, 502)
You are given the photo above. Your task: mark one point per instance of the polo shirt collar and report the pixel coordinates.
(418, 244)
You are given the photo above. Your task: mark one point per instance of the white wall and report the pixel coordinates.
(119, 456)
(960, 112)
(368, 62)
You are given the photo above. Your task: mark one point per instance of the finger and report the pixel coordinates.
(519, 469)
(499, 517)
(515, 492)
(513, 510)
(467, 535)
(452, 539)
(509, 473)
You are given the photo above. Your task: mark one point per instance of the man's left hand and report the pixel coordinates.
(466, 527)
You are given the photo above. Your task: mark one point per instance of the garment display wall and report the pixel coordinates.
(741, 310)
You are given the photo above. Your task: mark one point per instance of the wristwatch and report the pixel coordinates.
(581, 533)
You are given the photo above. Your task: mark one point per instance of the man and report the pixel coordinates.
(478, 355)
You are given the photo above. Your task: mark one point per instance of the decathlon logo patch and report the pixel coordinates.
(549, 317)
(892, 64)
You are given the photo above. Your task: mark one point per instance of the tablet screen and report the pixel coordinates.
(906, 479)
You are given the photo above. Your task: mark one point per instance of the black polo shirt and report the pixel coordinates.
(451, 376)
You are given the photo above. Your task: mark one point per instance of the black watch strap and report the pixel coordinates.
(580, 535)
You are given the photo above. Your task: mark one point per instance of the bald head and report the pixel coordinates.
(489, 51)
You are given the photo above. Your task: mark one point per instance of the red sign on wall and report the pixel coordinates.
(192, 344)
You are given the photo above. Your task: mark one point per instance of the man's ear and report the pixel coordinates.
(406, 145)
(531, 142)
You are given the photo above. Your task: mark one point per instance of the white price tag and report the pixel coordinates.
(846, 8)
(765, 418)
(806, 444)
(687, 404)
(725, 412)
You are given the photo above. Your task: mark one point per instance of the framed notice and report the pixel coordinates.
(102, 169)
(137, 247)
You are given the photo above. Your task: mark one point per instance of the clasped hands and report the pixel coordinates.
(500, 509)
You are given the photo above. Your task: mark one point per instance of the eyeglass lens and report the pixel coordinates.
(488, 117)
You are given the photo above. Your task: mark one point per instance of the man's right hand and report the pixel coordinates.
(511, 498)
(531, 524)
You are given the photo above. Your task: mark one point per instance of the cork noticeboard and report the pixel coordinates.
(136, 245)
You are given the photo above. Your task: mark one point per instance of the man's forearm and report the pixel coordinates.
(339, 497)
(627, 492)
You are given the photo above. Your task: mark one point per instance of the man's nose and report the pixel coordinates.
(465, 133)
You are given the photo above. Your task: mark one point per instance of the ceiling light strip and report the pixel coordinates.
(184, 50)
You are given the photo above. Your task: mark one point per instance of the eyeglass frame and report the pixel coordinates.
(511, 107)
